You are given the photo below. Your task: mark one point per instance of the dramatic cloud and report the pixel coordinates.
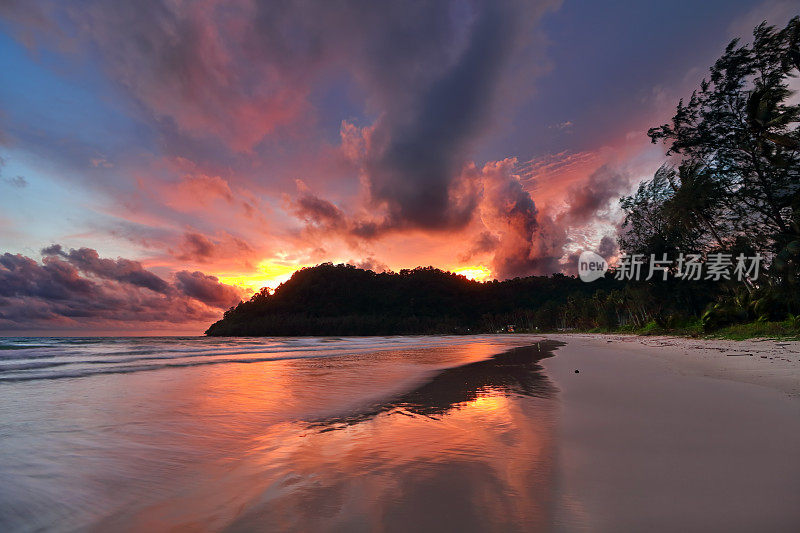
(419, 150)
(485, 242)
(432, 72)
(316, 211)
(206, 289)
(200, 248)
(231, 137)
(196, 247)
(88, 261)
(524, 238)
(608, 247)
(74, 288)
(239, 70)
(520, 237)
(586, 199)
(411, 159)
(509, 210)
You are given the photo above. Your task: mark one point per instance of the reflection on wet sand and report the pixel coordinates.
(513, 372)
(474, 451)
(412, 439)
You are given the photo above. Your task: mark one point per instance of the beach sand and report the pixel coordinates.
(444, 433)
(765, 362)
(673, 434)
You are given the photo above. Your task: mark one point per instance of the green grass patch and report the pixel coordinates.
(788, 329)
(652, 328)
(738, 332)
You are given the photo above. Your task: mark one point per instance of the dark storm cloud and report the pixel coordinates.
(592, 195)
(215, 80)
(123, 270)
(54, 280)
(528, 241)
(435, 76)
(415, 158)
(485, 242)
(317, 211)
(79, 287)
(421, 149)
(206, 288)
(535, 242)
(539, 253)
(432, 73)
(608, 247)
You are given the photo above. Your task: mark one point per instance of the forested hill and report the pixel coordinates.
(344, 300)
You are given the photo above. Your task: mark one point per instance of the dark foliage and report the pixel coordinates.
(344, 300)
(736, 185)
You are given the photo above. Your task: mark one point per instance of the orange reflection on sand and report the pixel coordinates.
(485, 464)
(471, 448)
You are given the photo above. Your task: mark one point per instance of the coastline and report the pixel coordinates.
(487, 433)
(766, 362)
(670, 434)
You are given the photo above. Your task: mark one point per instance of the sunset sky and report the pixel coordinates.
(162, 160)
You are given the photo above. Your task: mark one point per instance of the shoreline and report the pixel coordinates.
(494, 433)
(768, 363)
(667, 434)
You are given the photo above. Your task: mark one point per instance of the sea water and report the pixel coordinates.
(371, 433)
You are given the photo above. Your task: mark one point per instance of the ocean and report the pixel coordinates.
(429, 433)
(302, 434)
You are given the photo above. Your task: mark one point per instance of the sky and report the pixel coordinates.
(161, 160)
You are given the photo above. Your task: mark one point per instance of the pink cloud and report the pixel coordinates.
(79, 288)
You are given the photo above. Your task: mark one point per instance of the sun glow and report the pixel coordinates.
(273, 273)
(490, 403)
(477, 273)
(269, 274)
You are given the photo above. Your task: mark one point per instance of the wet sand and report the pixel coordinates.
(766, 362)
(664, 434)
(356, 434)
(479, 433)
